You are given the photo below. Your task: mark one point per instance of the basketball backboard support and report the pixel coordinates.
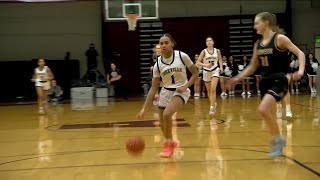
(118, 9)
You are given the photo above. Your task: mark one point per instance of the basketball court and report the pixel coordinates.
(86, 140)
(90, 144)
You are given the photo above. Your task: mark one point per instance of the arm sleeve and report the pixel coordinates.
(186, 59)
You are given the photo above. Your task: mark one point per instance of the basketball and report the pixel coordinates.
(135, 145)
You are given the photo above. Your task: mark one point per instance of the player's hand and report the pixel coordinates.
(231, 82)
(297, 75)
(140, 115)
(181, 89)
(208, 65)
(292, 64)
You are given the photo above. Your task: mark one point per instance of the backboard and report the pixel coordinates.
(118, 9)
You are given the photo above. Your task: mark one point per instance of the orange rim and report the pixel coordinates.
(132, 16)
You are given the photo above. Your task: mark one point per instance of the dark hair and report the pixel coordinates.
(210, 38)
(244, 59)
(309, 55)
(171, 39)
(272, 19)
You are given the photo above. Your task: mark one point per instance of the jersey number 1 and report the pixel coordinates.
(264, 61)
(172, 80)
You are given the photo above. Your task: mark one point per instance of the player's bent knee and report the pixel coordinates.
(263, 110)
(167, 115)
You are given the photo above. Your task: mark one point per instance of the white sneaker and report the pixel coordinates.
(203, 94)
(311, 90)
(292, 91)
(212, 110)
(314, 90)
(249, 93)
(41, 111)
(243, 93)
(288, 113)
(196, 95)
(297, 91)
(259, 92)
(232, 93)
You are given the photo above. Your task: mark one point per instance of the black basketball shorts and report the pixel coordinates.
(274, 84)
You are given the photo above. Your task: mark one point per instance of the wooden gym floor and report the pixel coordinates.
(90, 144)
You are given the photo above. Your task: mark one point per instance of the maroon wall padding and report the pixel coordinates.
(190, 33)
(117, 38)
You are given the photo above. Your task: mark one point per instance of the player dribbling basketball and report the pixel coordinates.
(171, 67)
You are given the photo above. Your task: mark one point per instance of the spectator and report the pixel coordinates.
(245, 81)
(198, 82)
(156, 54)
(67, 57)
(92, 54)
(55, 92)
(312, 65)
(233, 68)
(147, 85)
(294, 66)
(114, 77)
(223, 76)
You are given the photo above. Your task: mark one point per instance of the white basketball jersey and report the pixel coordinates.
(41, 75)
(210, 58)
(173, 73)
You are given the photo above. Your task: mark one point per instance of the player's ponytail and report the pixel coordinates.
(272, 19)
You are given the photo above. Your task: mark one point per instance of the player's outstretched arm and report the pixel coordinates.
(220, 61)
(251, 68)
(151, 94)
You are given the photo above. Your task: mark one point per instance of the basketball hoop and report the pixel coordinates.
(132, 21)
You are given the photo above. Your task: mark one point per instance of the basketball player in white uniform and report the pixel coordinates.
(211, 61)
(42, 77)
(171, 67)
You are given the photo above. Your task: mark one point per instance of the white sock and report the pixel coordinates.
(279, 105)
(288, 107)
(211, 107)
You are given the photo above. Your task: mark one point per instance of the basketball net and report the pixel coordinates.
(132, 21)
